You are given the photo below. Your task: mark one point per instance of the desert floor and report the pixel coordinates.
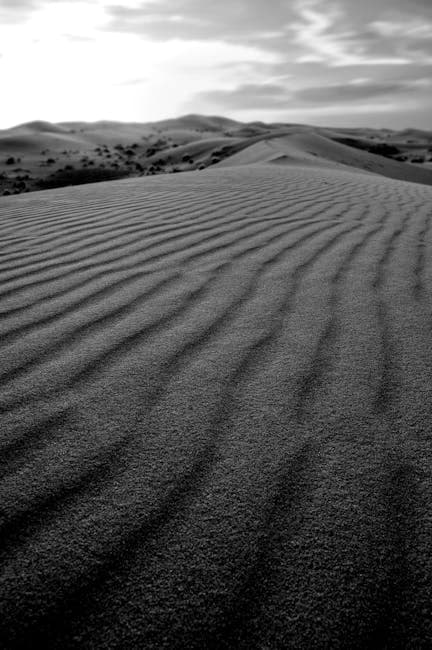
(216, 411)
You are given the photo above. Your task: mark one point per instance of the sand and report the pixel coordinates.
(41, 155)
(215, 406)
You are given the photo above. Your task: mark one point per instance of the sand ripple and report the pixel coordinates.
(215, 396)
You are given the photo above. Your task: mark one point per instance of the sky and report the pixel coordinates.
(323, 62)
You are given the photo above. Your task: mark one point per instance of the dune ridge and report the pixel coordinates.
(215, 398)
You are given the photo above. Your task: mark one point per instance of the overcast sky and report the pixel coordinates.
(324, 62)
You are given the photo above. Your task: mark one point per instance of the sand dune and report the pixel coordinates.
(309, 148)
(215, 394)
(40, 155)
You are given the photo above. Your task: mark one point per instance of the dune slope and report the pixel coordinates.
(215, 406)
(317, 150)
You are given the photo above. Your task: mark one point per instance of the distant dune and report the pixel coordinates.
(40, 155)
(37, 126)
(215, 404)
(314, 149)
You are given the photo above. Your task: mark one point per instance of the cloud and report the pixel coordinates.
(326, 35)
(355, 91)
(18, 4)
(18, 11)
(330, 32)
(230, 21)
(335, 33)
(272, 97)
(12, 12)
(263, 96)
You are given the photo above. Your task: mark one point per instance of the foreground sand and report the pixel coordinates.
(215, 395)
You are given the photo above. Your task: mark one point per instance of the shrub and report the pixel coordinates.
(380, 149)
(384, 149)
(65, 177)
(11, 161)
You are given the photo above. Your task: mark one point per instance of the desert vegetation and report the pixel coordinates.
(71, 176)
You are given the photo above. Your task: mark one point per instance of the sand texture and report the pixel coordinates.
(215, 411)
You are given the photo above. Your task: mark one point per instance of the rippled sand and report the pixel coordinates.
(215, 412)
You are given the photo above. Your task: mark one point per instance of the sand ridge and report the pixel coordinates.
(215, 398)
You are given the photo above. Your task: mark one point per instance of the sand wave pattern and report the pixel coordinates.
(215, 413)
